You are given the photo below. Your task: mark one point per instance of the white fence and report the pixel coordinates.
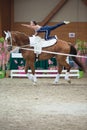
(40, 73)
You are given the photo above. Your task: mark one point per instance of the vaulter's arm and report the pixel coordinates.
(26, 25)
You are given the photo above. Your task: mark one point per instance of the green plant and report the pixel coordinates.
(81, 46)
(1, 40)
(82, 50)
(3, 54)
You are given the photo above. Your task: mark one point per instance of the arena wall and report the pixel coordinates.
(74, 11)
(15, 12)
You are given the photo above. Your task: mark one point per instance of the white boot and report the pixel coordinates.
(30, 76)
(34, 78)
(67, 77)
(56, 79)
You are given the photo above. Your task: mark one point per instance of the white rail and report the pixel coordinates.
(44, 73)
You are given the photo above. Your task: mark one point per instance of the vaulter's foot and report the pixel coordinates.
(66, 22)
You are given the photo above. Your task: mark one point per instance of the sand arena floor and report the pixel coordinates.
(43, 107)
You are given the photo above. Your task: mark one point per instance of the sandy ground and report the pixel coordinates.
(43, 107)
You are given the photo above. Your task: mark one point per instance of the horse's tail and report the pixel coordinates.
(73, 51)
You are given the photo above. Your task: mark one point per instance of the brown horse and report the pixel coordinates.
(19, 39)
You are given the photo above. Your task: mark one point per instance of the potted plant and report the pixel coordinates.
(3, 57)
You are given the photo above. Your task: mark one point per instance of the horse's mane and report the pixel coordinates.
(18, 33)
(20, 37)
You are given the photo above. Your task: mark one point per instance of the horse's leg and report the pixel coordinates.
(30, 76)
(58, 74)
(34, 78)
(62, 63)
(26, 70)
(67, 67)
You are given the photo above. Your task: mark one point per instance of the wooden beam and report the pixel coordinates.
(12, 13)
(53, 12)
(85, 2)
(0, 18)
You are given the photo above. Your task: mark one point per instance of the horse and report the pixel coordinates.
(22, 41)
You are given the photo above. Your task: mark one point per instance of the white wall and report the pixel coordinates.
(26, 10)
(73, 10)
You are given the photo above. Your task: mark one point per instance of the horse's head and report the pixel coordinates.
(16, 39)
(8, 38)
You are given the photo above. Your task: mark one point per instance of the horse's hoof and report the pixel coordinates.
(69, 81)
(54, 83)
(34, 83)
(30, 76)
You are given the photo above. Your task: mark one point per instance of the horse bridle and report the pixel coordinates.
(7, 37)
